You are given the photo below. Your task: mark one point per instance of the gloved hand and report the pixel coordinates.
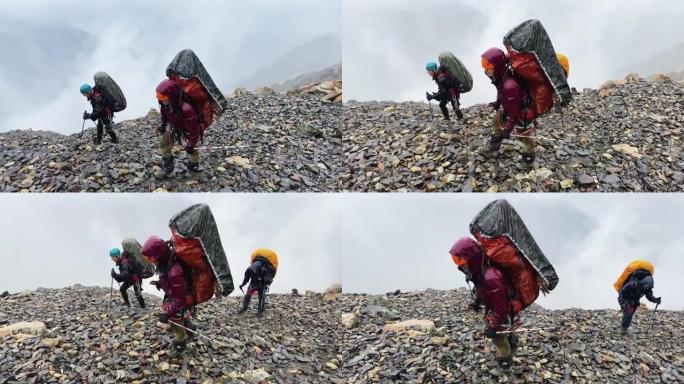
(658, 300)
(162, 129)
(429, 96)
(114, 274)
(490, 332)
(163, 318)
(86, 115)
(189, 150)
(505, 134)
(494, 105)
(476, 306)
(241, 285)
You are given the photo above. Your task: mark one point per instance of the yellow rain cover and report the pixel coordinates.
(564, 62)
(267, 254)
(631, 267)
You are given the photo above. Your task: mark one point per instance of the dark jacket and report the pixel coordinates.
(491, 287)
(639, 284)
(180, 114)
(259, 274)
(510, 94)
(100, 107)
(127, 271)
(447, 84)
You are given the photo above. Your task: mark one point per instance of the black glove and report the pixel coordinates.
(658, 300)
(162, 129)
(494, 105)
(476, 306)
(490, 332)
(163, 318)
(86, 115)
(115, 275)
(505, 134)
(429, 96)
(189, 150)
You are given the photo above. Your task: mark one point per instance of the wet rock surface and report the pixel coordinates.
(86, 341)
(626, 136)
(438, 339)
(264, 142)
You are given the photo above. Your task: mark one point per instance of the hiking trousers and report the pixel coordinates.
(166, 146)
(529, 144)
(105, 124)
(136, 290)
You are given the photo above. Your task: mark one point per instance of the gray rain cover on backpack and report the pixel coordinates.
(531, 37)
(133, 248)
(458, 70)
(113, 93)
(498, 219)
(187, 65)
(197, 222)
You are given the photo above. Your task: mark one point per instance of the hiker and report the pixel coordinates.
(448, 89)
(638, 284)
(128, 276)
(259, 275)
(102, 113)
(491, 290)
(172, 280)
(183, 120)
(510, 104)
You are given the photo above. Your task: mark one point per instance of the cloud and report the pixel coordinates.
(56, 240)
(388, 42)
(135, 41)
(402, 241)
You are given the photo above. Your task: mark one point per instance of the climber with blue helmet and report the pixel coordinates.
(102, 113)
(447, 89)
(129, 275)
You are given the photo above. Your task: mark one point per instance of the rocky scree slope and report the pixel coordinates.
(263, 142)
(75, 337)
(433, 337)
(626, 136)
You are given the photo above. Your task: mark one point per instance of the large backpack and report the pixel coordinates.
(631, 268)
(510, 246)
(535, 64)
(269, 257)
(197, 244)
(142, 267)
(111, 91)
(456, 68)
(198, 87)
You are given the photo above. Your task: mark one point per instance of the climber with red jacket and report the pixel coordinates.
(447, 89)
(491, 290)
(510, 104)
(183, 120)
(172, 280)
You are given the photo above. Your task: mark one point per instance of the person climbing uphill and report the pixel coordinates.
(448, 89)
(128, 276)
(102, 113)
(510, 104)
(178, 118)
(260, 276)
(635, 282)
(172, 280)
(491, 290)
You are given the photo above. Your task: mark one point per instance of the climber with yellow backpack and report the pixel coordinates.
(635, 282)
(259, 275)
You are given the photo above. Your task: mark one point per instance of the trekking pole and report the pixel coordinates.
(82, 126)
(198, 334)
(538, 138)
(652, 318)
(432, 115)
(524, 330)
(111, 292)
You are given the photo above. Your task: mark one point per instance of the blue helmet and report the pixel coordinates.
(114, 252)
(431, 66)
(85, 89)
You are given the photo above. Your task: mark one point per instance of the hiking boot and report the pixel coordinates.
(496, 140)
(193, 167)
(513, 342)
(191, 327)
(528, 158)
(459, 114)
(245, 304)
(177, 348)
(505, 362)
(141, 302)
(624, 331)
(112, 136)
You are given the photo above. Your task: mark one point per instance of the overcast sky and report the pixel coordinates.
(388, 42)
(134, 41)
(57, 240)
(402, 241)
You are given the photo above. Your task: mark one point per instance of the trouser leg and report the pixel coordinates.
(124, 294)
(138, 295)
(98, 135)
(443, 108)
